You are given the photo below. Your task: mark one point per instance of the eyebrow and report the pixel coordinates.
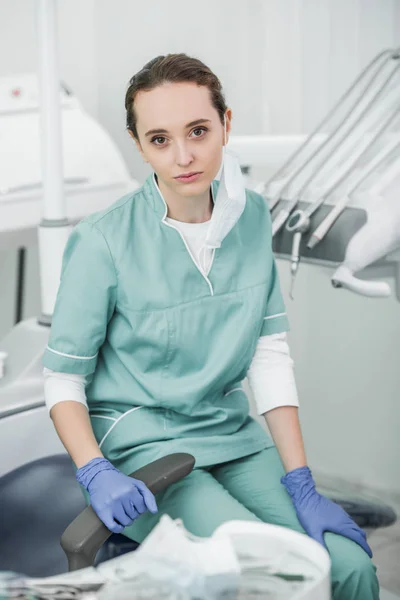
(191, 124)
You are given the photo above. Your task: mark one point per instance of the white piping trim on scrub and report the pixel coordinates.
(211, 261)
(213, 250)
(183, 239)
(116, 422)
(192, 257)
(238, 389)
(102, 417)
(72, 355)
(275, 316)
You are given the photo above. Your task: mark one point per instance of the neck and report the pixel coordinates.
(188, 209)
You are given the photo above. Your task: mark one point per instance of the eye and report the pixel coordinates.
(199, 131)
(158, 140)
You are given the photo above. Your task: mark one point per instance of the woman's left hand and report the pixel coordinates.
(317, 514)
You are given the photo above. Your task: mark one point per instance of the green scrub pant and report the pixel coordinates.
(249, 489)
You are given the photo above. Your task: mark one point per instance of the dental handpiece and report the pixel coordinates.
(295, 260)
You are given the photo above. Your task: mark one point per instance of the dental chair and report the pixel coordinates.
(41, 503)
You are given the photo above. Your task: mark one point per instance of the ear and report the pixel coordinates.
(228, 119)
(138, 146)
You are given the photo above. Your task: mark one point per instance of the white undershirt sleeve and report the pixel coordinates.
(59, 387)
(271, 375)
(271, 378)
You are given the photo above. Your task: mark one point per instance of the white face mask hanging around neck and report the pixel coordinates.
(230, 201)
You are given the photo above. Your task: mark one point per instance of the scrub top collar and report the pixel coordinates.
(226, 213)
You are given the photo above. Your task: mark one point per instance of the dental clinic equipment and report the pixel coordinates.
(341, 188)
(275, 188)
(339, 149)
(300, 220)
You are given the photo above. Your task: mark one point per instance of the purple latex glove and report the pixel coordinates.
(317, 513)
(116, 498)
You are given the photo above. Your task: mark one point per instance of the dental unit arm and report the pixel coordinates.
(299, 221)
(273, 189)
(348, 199)
(307, 171)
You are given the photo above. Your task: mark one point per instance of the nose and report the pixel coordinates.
(183, 155)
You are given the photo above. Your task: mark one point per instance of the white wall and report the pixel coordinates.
(282, 64)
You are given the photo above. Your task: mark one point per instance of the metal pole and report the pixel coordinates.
(53, 230)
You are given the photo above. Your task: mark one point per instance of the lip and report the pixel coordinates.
(188, 177)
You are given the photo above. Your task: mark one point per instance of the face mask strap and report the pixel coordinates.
(224, 130)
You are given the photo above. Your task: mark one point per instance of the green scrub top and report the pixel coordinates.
(166, 347)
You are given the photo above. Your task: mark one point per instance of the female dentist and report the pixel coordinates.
(167, 300)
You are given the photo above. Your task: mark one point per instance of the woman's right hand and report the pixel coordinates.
(116, 498)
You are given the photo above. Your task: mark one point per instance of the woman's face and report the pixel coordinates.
(180, 132)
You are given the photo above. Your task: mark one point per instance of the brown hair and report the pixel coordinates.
(172, 68)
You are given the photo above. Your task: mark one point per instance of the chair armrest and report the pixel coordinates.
(86, 534)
